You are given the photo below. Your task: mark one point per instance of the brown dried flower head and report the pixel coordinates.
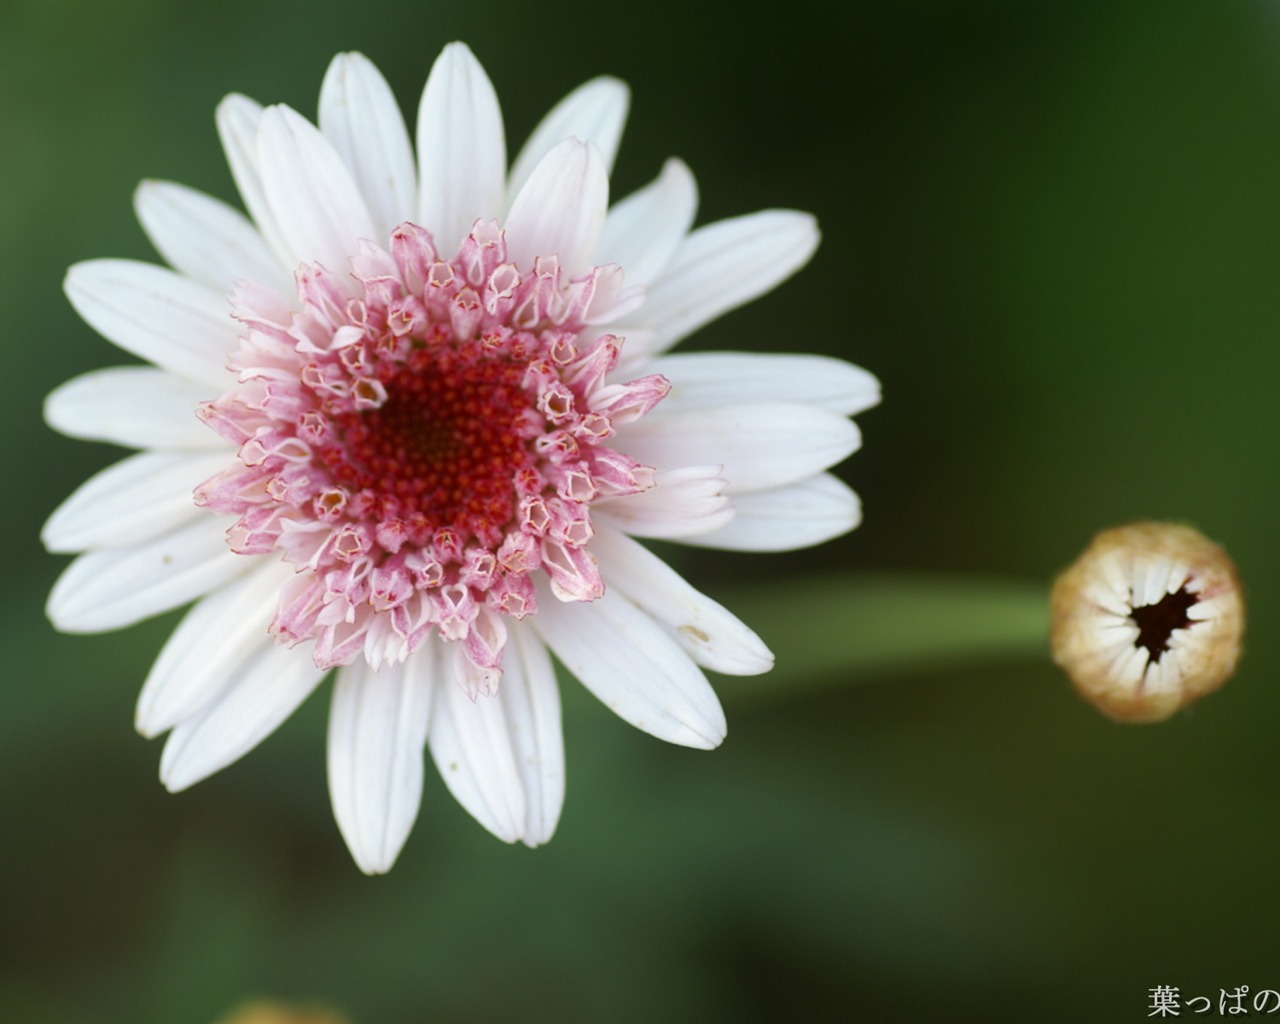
(1147, 620)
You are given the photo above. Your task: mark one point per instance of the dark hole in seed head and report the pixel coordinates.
(1156, 622)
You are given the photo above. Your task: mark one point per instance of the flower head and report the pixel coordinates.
(1147, 620)
(406, 421)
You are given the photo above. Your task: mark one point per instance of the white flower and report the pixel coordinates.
(441, 407)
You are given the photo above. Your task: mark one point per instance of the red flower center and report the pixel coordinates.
(420, 445)
(445, 443)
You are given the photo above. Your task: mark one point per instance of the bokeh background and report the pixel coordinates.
(1052, 229)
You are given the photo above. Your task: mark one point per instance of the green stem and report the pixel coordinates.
(858, 626)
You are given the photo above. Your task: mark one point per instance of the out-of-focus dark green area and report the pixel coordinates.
(1052, 229)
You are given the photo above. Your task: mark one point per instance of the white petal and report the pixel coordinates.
(560, 210)
(701, 380)
(462, 151)
(681, 503)
(505, 752)
(110, 589)
(760, 446)
(134, 500)
(472, 747)
(593, 112)
(266, 692)
(212, 646)
(631, 664)
(798, 516)
(377, 730)
(204, 238)
(313, 198)
(359, 116)
(723, 265)
(161, 316)
(238, 118)
(714, 638)
(530, 697)
(133, 405)
(642, 232)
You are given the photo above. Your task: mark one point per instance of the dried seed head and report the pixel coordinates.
(1148, 619)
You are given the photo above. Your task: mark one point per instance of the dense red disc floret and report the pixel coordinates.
(447, 443)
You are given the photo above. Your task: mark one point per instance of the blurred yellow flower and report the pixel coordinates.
(265, 1011)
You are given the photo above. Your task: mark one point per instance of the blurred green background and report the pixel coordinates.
(1052, 229)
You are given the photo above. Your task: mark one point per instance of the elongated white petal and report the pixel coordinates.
(658, 523)
(471, 745)
(760, 446)
(462, 151)
(360, 117)
(702, 380)
(268, 690)
(530, 698)
(212, 646)
(135, 406)
(723, 265)
(681, 503)
(714, 638)
(377, 731)
(642, 232)
(161, 316)
(313, 197)
(633, 665)
(110, 589)
(238, 118)
(593, 112)
(561, 208)
(134, 500)
(786, 518)
(205, 238)
(502, 756)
